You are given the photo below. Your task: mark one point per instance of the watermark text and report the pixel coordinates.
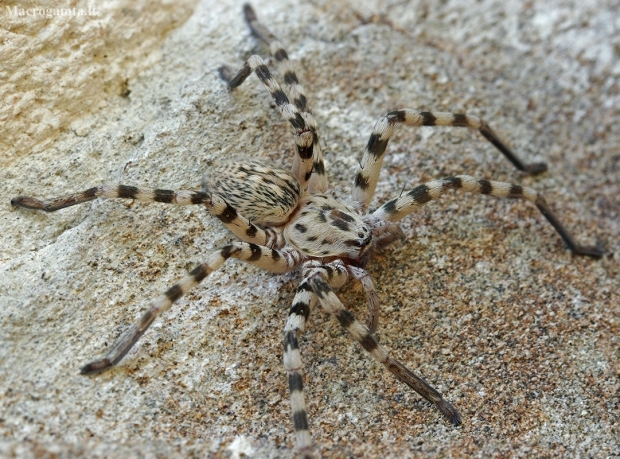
(49, 12)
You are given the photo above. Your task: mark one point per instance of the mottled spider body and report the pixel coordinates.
(323, 227)
(286, 221)
(265, 194)
(316, 225)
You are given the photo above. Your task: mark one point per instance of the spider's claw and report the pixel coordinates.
(96, 366)
(450, 412)
(225, 73)
(588, 250)
(306, 452)
(535, 168)
(27, 203)
(248, 12)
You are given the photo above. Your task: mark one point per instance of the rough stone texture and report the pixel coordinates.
(483, 299)
(61, 62)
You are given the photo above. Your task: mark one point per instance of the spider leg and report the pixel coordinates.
(295, 90)
(398, 208)
(263, 257)
(242, 227)
(331, 303)
(370, 166)
(337, 274)
(305, 135)
(309, 158)
(217, 206)
(180, 198)
(318, 180)
(298, 315)
(303, 303)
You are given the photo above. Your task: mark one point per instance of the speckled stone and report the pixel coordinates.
(483, 299)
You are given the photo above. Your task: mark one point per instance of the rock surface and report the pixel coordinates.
(482, 300)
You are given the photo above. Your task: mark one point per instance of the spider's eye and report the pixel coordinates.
(360, 235)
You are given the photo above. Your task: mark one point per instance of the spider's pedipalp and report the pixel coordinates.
(371, 296)
(263, 257)
(366, 178)
(332, 304)
(402, 206)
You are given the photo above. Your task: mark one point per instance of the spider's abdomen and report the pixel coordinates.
(259, 191)
(324, 227)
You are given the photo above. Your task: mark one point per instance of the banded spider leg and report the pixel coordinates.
(308, 164)
(318, 283)
(370, 166)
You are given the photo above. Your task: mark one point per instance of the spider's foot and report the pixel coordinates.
(372, 324)
(450, 412)
(27, 203)
(535, 168)
(96, 366)
(249, 13)
(225, 73)
(588, 250)
(306, 452)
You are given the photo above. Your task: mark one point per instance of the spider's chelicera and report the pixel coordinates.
(286, 222)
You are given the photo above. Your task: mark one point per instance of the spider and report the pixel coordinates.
(285, 221)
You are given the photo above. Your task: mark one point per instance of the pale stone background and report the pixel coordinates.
(483, 299)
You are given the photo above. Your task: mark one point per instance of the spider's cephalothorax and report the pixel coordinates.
(323, 227)
(286, 222)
